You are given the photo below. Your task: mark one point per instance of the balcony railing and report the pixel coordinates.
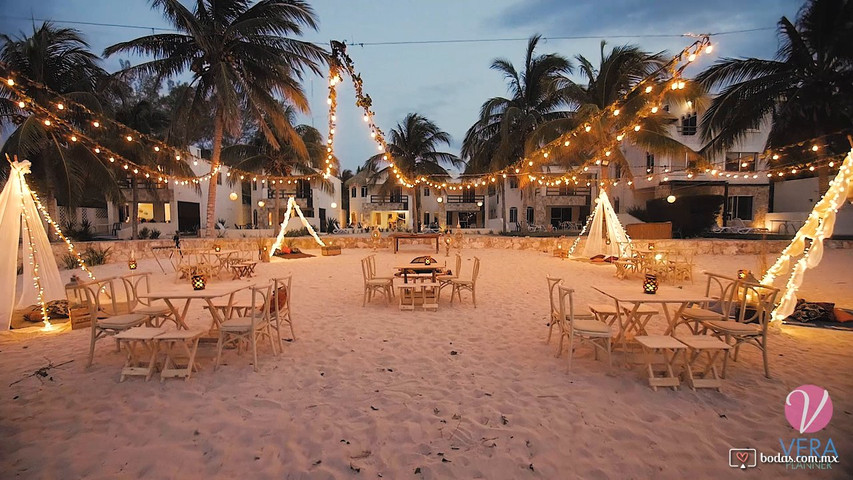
(284, 194)
(567, 191)
(404, 199)
(465, 198)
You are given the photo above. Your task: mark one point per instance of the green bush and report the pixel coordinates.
(155, 234)
(69, 261)
(302, 232)
(144, 233)
(96, 256)
(82, 234)
(690, 215)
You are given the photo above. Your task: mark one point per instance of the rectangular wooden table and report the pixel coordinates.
(413, 236)
(171, 297)
(631, 297)
(430, 269)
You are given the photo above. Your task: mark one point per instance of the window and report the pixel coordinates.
(530, 215)
(492, 190)
(353, 192)
(560, 215)
(739, 207)
(426, 192)
(741, 161)
(513, 215)
(254, 185)
(363, 191)
(513, 182)
(650, 162)
(688, 124)
(426, 219)
(219, 178)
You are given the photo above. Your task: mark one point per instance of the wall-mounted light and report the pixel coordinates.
(261, 203)
(439, 199)
(233, 196)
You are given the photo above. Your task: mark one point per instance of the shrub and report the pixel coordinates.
(96, 256)
(69, 261)
(144, 233)
(297, 233)
(331, 225)
(82, 234)
(155, 234)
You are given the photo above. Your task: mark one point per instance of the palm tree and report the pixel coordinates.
(241, 58)
(259, 156)
(619, 71)
(344, 176)
(413, 144)
(807, 90)
(60, 59)
(504, 130)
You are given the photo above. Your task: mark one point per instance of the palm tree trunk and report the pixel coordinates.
(503, 206)
(218, 128)
(134, 209)
(822, 179)
(53, 211)
(416, 214)
(275, 203)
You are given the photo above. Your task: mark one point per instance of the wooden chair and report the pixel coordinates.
(280, 306)
(106, 324)
(371, 259)
(385, 286)
(445, 280)
(681, 265)
(136, 283)
(721, 289)
(754, 303)
(553, 282)
(595, 332)
(249, 326)
(471, 285)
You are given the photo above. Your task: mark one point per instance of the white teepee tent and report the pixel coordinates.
(291, 206)
(19, 218)
(606, 233)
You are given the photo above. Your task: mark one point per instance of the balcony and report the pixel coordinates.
(465, 203)
(568, 195)
(304, 198)
(147, 191)
(387, 202)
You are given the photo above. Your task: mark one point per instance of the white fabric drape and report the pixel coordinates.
(605, 233)
(16, 204)
(817, 227)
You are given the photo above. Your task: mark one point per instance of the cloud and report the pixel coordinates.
(635, 18)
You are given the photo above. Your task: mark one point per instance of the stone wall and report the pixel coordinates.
(121, 250)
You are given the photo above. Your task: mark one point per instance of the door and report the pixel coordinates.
(189, 217)
(322, 219)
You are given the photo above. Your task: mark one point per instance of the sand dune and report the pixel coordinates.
(373, 392)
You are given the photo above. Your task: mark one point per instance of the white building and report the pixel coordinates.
(240, 204)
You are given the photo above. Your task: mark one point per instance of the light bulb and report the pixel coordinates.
(654, 109)
(587, 128)
(334, 205)
(10, 82)
(47, 122)
(60, 106)
(21, 104)
(636, 128)
(616, 112)
(691, 57)
(709, 48)
(96, 124)
(649, 89)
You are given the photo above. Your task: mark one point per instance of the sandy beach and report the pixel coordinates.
(377, 393)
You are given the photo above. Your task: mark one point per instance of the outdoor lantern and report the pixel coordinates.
(131, 264)
(742, 274)
(650, 284)
(427, 261)
(448, 241)
(233, 196)
(217, 248)
(198, 281)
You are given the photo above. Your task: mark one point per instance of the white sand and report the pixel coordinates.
(378, 390)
